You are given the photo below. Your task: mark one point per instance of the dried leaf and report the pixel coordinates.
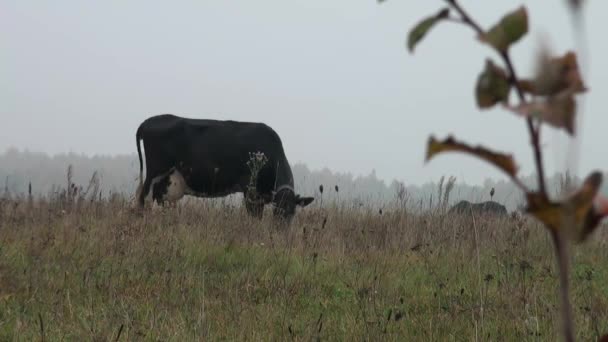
(558, 111)
(556, 74)
(509, 30)
(502, 161)
(594, 216)
(526, 85)
(492, 86)
(420, 30)
(546, 211)
(581, 203)
(578, 215)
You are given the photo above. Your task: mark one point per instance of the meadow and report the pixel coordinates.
(205, 271)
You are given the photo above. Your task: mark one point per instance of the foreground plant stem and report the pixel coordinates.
(561, 253)
(559, 244)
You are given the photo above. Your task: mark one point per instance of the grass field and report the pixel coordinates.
(102, 272)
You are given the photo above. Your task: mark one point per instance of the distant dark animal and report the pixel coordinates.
(484, 208)
(209, 158)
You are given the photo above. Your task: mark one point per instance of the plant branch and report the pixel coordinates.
(534, 132)
(561, 254)
(465, 16)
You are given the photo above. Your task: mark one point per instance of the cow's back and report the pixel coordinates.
(483, 208)
(493, 207)
(216, 132)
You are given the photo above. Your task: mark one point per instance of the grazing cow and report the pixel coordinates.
(209, 158)
(484, 208)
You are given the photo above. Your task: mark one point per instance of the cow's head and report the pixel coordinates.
(286, 200)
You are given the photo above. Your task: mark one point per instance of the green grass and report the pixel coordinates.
(212, 273)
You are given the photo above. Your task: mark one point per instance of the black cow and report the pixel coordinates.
(209, 158)
(484, 208)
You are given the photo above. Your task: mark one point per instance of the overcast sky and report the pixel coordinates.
(333, 78)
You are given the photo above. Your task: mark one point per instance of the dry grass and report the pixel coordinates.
(209, 272)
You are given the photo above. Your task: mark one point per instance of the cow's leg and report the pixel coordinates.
(144, 191)
(156, 183)
(158, 191)
(161, 185)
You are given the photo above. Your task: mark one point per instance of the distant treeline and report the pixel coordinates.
(119, 174)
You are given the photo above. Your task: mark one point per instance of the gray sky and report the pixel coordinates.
(331, 77)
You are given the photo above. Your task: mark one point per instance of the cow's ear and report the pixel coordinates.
(304, 201)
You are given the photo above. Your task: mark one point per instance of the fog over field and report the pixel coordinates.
(332, 77)
(119, 174)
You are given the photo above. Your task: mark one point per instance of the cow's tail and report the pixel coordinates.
(138, 138)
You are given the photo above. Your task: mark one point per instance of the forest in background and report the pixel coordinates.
(119, 174)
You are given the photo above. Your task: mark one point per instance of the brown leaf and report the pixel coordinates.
(492, 86)
(578, 215)
(597, 212)
(581, 203)
(502, 161)
(558, 111)
(526, 85)
(546, 211)
(556, 74)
